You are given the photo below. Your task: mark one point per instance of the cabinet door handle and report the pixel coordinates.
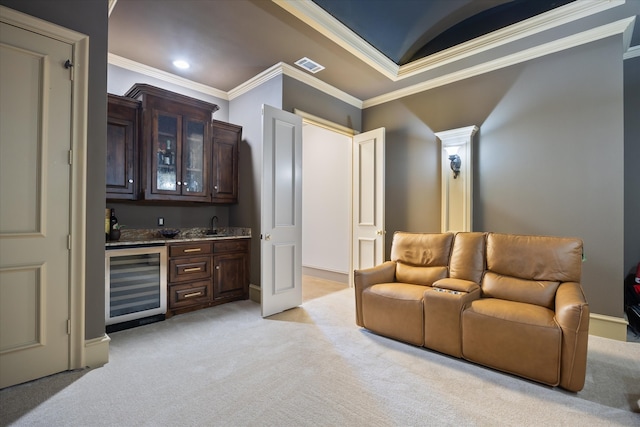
(215, 187)
(179, 183)
(130, 181)
(193, 294)
(189, 270)
(192, 250)
(217, 267)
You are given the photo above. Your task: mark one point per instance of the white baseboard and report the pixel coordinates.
(608, 327)
(326, 275)
(96, 351)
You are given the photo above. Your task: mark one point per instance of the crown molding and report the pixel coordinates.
(254, 82)
(632, 52)
(146, 70)
(534, 25)
(323, 22)
(624, 26)
(619, 27)
(274, 71)
(301, 76)
(456, 136)
(112, 4)
(316, 17)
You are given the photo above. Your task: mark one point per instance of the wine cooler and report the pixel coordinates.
(136, 285)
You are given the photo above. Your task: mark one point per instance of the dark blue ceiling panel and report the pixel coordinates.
(406, 30)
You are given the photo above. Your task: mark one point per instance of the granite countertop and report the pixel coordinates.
(153, 236)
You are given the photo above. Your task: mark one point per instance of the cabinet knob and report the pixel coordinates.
(215, 187)
(179, 183)
(130, 181)
(217, 267)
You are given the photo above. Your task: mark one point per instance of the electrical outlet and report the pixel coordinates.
(160, 221)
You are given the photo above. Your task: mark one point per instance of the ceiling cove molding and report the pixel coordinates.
(274, 71)
(288, 70)
(619, 27)
(254, 82)
(323, 22)
(537, 24)
(146, 70)
(632, 52)
(112, 4)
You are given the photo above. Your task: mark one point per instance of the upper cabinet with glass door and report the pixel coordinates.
(176, 144)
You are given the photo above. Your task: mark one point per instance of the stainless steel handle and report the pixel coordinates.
(194, 294)
(192, 250)
(189, 270)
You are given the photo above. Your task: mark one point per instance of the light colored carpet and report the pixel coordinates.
(310, 366)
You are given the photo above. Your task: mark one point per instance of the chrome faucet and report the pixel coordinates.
(214, 223)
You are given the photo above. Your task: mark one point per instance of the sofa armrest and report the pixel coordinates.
(572, 315)
(362, 279)
(457, 285)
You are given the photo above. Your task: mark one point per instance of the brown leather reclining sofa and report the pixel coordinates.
(509, 302)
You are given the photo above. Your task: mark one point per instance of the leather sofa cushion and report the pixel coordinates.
(421, 249)
(556, 259)
(395, 310)
(419, 275)
(468, 256)
(536, 292)
(514, 337)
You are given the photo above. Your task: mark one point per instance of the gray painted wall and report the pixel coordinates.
(548, 156)
(246, 111)
(310, 100)
(90, 18)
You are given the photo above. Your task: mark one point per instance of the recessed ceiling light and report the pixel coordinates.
(183, 65)
(309, 65)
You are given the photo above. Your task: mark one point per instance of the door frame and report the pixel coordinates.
(78, 163)
(343, 130)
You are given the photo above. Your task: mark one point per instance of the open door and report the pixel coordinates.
(281, 209)
(368, 199)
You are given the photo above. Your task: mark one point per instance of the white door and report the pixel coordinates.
(368, 199)
(281, 225)
(35, 139)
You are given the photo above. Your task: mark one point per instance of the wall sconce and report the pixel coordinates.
(456, 162)
(455, 165)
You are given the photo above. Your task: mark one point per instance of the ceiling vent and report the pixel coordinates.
(309, 65)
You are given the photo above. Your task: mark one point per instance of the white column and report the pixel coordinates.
(457, 192)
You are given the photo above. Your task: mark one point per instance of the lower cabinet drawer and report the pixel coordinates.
(188, 269)
(187, 294)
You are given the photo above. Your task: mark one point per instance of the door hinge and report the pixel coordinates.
(70, 157)
(68, 326)
(69, 241)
